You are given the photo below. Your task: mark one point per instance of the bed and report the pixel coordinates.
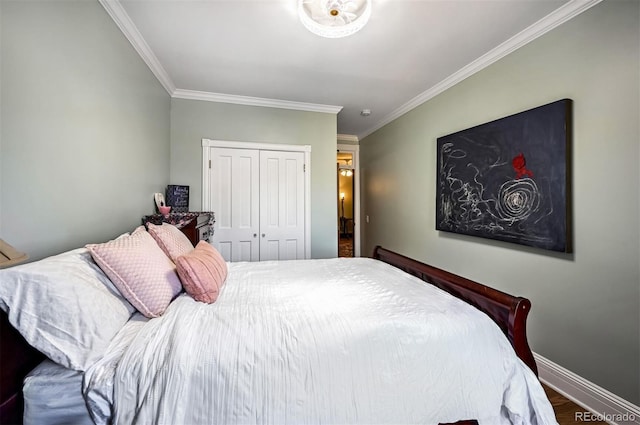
(297, 370)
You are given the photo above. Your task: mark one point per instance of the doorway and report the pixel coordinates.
(348, 201)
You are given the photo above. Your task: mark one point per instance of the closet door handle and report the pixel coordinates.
(263, 235)
(255, 234)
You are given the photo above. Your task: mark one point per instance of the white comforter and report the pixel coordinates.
(324, 341)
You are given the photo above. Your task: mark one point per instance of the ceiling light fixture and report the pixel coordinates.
(334, 18)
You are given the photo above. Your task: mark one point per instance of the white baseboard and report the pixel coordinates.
(602, 404)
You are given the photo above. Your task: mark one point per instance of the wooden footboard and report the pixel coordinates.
(508, 311)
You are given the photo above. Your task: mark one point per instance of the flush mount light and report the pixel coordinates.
(334, 18)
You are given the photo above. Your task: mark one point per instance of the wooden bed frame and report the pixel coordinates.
(17, 357)
(508, 311)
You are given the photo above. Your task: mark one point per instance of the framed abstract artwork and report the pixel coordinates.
(509, 179)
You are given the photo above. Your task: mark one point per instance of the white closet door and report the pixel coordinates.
(282, 205)
(234, 189)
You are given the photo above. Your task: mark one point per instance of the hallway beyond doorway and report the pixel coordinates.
(345, 247)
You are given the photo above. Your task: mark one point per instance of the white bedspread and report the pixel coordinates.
(324, 341)
(97, 382)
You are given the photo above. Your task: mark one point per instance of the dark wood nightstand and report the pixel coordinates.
(196, 226)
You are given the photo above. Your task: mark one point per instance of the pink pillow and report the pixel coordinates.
(143, 274)
(173, 242)
(203, 272)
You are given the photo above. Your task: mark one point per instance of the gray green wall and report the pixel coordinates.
(85, 128)
(194, 120)
(85, 141)
(585, 306)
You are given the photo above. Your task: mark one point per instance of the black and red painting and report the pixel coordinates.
(509, 179)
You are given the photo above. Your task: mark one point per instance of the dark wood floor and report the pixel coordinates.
(345, 247)
(566, 409)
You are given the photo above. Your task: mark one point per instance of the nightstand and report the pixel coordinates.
(196, 226)
(9, 256)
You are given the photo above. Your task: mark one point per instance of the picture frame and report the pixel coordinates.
(178, 198)
(509, 179)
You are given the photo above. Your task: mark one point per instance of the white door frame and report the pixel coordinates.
(355, 152)
(206, 158)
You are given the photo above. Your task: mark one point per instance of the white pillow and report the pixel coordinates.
(64, 306)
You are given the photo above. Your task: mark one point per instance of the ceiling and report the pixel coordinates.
(258, 52)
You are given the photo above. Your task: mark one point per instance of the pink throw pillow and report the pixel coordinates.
(173, 242)
(203, 272)
(143, 274)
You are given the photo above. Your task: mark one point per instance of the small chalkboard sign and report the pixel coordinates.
(178, 198)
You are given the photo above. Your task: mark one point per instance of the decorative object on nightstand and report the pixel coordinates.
(196, 226)
(9, 256)
(158, 198)
(178, 198)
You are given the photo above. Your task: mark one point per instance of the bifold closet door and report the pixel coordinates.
(258, 198)
(281, 205)
(235, 184)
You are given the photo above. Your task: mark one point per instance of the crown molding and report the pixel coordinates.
(130, 31)
(556, 18)
(254, 101)
(348, 138)
(128, 28)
